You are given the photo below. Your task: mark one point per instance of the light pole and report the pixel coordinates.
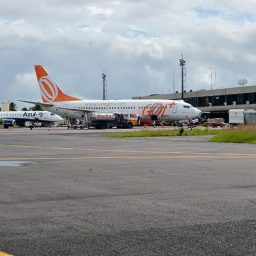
(104, 85)
(182, 64)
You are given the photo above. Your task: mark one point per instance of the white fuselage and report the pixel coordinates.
(164, 110)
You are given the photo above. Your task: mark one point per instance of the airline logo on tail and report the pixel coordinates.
(50, 91)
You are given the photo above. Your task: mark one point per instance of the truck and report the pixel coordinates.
(242, 116)
(8, 123)
(110, 120)
(214, 122)
(104, 120)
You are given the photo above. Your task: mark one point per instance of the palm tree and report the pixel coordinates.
(13, 106)
(36, 108)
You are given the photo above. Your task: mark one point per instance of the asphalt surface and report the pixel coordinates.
(77, 193)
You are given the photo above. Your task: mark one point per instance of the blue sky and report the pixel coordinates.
(137, 43)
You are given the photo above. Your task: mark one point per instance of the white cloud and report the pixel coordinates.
(137, 43)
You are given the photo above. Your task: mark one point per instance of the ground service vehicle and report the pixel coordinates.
(110, 120)
(7, 123)
(214, 122)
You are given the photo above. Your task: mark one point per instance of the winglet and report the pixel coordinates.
(50, 91)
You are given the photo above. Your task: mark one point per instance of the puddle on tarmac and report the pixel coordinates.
(12, 163)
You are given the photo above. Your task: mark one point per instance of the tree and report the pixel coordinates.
(24, 109)
(36, 108)
(13, 106)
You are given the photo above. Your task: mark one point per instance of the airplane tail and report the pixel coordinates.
(50, 91)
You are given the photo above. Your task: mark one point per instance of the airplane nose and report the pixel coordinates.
(197, 112)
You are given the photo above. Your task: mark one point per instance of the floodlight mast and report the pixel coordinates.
(104, 85)
(182, 64)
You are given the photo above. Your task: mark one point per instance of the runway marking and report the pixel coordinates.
(122, 157)
(5, 254)
(131, 151)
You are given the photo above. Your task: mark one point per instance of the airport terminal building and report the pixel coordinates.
(218, 102)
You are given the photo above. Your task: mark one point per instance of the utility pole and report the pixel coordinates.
(104, 85)
(182, 64)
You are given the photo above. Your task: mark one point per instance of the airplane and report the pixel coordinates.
(10, 118)
(148, 110)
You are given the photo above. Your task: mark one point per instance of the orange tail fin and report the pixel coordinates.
(50, 91)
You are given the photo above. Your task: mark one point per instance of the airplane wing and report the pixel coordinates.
(79, 110)
(37, 103)
(87, 110)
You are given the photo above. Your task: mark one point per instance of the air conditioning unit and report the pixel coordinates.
(247, 102)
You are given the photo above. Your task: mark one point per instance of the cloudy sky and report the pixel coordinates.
(137, 43)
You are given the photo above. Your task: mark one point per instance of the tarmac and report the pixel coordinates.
(66, 192)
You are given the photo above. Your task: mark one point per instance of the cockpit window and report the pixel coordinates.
(186, 106)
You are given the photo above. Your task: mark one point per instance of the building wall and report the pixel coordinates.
(214, 100)
(5, 106)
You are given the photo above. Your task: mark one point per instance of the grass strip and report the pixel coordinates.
(245, 134)
(163, 132)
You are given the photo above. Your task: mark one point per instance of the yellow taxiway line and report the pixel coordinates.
(155, 154)
(133, 151)
(5, 254)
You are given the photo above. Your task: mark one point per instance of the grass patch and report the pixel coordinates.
(246, 134)
(163, 132)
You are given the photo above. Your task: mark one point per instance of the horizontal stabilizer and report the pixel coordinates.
(37, 103)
